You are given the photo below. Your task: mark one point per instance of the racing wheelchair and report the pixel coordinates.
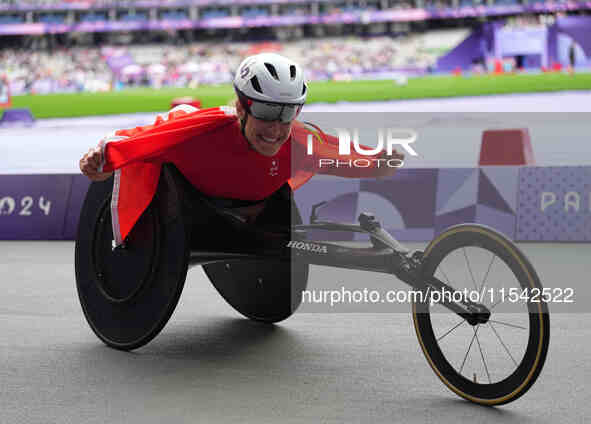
(128, 292)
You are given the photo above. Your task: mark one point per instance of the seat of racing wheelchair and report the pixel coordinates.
(128, 293)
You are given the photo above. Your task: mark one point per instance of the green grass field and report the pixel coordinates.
(148, 100)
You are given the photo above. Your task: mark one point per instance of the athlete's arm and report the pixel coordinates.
(92, 163)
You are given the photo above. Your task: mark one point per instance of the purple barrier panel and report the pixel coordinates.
(341, 197)
(32, 207)
(486, 195)
(16, 116)
(554, 204)
(404, 204)
(408, 216)
(80, 186)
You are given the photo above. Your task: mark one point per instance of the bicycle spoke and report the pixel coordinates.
(470, 268)
(440, 268)
(496, 303)
(507, 324)
(469, 347)
(482, 356)
(486, 275)
(502, 343)
(452, 329)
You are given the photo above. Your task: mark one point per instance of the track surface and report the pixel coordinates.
(211, 365)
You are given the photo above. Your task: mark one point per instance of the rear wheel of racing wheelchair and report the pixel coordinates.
(128, 293)
(268, 290)
(498, 361)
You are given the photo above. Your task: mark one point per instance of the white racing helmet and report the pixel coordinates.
(270, 87)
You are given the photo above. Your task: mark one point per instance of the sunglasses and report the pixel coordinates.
(284, 113)
(266, 111)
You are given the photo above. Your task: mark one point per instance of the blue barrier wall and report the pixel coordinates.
(40, 207)
(554, 204)
(524, 203)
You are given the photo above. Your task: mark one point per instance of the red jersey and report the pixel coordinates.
(209, 149)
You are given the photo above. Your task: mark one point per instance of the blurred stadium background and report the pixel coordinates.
(416, 48)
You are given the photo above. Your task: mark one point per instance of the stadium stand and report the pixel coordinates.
(191, 42)
(78, 69)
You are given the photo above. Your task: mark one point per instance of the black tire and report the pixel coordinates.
(516, 370)
(128, 295)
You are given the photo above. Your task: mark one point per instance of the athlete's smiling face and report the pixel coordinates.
(265, 137)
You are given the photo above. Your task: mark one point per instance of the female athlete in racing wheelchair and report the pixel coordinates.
(256, 254)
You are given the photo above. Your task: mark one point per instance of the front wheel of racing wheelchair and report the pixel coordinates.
(129, 292)
(493, 356)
